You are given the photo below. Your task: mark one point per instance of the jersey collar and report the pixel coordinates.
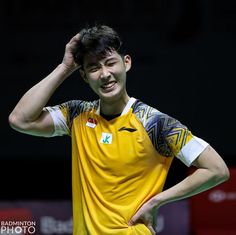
(126, 108)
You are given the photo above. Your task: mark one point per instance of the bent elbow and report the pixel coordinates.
(226, 175)
(15, 122)
(223, 174)
(12, 120)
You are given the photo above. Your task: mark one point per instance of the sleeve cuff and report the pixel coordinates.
(192, 150)
(60, 126)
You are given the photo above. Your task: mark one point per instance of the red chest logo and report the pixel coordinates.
(91, 122)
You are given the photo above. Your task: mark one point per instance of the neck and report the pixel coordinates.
(113, 107)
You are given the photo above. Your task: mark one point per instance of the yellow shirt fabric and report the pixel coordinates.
(117, 165)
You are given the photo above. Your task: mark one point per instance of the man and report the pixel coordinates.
(121, 147)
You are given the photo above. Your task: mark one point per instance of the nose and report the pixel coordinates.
(104, 72)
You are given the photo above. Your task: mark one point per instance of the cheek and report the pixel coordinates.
(119, 73)
(93, 82)
(122, 75)
(92, 78)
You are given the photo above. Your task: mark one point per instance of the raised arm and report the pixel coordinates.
(28, 116)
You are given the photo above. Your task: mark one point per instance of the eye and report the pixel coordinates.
(110, 64)
(93, 69)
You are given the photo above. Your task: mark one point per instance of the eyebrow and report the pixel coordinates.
(90, 65)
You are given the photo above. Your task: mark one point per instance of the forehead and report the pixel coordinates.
(92, 59)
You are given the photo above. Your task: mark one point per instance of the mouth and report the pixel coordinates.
(108, 86)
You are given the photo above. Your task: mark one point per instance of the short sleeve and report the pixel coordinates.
(192, 150)
(169, 137)
(179, 141)
(61, 126)
(63, 115)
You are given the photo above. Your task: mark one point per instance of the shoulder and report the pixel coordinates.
(73, 108)
(80, 105)
(142, 109)
(149, 115)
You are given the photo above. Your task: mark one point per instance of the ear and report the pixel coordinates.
(83, 75)
(128, 62)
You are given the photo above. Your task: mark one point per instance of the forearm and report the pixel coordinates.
(31, 104)
(211, 170)
(201, 180)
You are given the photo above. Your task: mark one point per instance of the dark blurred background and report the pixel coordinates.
(183, 64)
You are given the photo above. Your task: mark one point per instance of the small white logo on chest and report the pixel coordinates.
(106, 138)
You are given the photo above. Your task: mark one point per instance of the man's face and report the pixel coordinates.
(107, 75)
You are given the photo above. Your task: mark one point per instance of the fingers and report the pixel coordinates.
(72, 44)
(145, 219)
(134, 219)
(151, 229)
(131, 222)
(147, 223)
(76, 38)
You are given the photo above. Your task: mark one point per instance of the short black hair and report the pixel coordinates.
(97, 41)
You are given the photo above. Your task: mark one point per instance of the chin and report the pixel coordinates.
(110, 96)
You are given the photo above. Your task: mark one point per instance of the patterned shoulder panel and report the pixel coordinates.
(74, 107)
(167, 134)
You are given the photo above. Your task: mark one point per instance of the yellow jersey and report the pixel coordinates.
(118, 165)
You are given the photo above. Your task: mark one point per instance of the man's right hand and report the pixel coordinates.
(68, 60)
